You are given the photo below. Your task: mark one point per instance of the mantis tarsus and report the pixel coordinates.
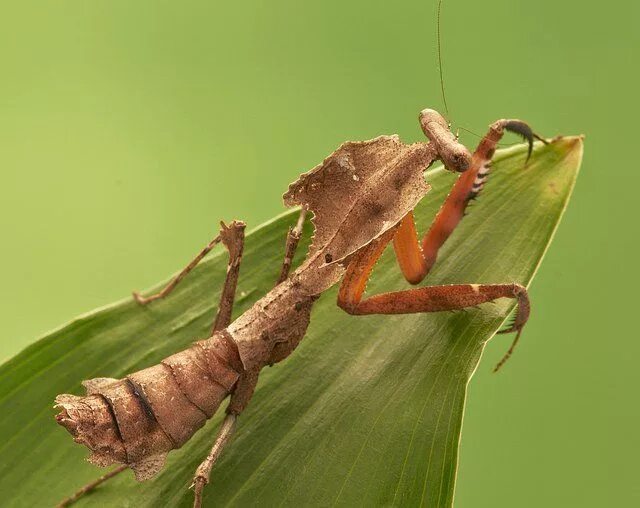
(361, 198)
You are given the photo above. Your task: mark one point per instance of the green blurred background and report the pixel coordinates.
(128, 129)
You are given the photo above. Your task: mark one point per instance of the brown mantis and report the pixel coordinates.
(361, 198)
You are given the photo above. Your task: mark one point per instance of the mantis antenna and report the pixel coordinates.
(444, 98)
(441, 72)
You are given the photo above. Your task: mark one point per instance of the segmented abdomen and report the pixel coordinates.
(138, 419)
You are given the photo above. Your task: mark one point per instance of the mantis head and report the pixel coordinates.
(454, 155)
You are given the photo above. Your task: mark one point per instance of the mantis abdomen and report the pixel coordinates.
(138, 419)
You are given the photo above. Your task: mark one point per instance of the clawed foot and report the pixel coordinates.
(522, 129)
(140, 299)
(201, 478)
(517, 325)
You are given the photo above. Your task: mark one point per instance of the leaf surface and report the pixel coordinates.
(366, 412)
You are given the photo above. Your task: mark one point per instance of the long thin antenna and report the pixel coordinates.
(480, 137)
(444, 98)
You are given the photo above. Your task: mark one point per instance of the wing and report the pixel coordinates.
(359, 192)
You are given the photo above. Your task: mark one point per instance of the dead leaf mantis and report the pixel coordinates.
(361, 198)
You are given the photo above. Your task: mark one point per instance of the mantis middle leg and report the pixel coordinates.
(293, 238)
(239, 399)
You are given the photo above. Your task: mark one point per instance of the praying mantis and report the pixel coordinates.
(361, 199)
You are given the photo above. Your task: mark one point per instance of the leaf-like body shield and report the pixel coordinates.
(360, 191)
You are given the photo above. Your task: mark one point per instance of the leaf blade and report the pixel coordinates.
(366, 411)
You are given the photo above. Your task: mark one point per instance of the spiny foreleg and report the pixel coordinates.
(424, 299)
(417, 258)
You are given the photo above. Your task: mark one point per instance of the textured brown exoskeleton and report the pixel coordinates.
(361, 197)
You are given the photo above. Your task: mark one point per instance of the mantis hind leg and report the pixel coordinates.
(232, 236)
(91, 486)
(417, 258)
(240, 397)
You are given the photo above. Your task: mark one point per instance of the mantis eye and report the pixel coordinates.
(459, 160)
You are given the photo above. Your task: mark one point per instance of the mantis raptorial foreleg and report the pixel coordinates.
(425, 299)
(417, 259)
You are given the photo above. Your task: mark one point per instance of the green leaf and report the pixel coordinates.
(367, 411)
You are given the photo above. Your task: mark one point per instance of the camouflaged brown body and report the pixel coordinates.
(361, 197)
(358, 193)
